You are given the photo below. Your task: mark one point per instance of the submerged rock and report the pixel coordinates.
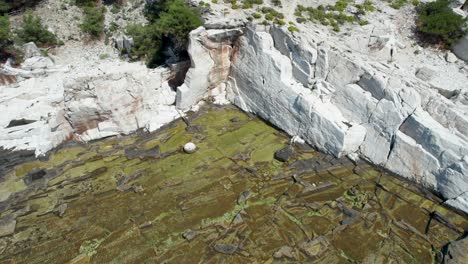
(227, 249)
(190, 234)
(284, 251)
(315, 247)
(7, 225)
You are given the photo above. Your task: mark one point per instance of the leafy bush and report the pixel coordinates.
(178, 21)
(397, 4)
(93, 22)
(439, 23)
(7, 6)
(293, 29)
(83, 3)
(171, 21)
(32, 30)
(5, 37)
(5, 31)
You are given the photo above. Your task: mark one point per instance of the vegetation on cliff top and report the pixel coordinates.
(170, 24)
(31, 30)
(439, 24)
(7, 6)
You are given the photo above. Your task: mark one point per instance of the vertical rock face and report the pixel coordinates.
(342, 103)
(210, 54)
(263, 82)
(461, 48)
(112, 98)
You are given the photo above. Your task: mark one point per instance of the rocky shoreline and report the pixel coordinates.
(141, 198)
(337, 102)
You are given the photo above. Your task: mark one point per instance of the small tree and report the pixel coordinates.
(178, 21)
(170, 25)
(5, 31)
(438, 22)
(12, 5)
(32, 30)
(93, 22)
(7, 50)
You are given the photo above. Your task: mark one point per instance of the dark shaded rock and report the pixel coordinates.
(241, 156)
(227, 249)
(132, 153)
(20, 122)
(280, 176)
(238, 219)
(235, 119)
(9, 159)
(60, 210)
(350, 215)
(456, 252)
(307, 165)
(190, 234)
(194, 129)
(153, 152)
(122, 182)
(243, 197)
(37, 174)
(284, 252)
(145, 225)
(285, 154)
(304, 147)
(315, 247)
(7, 225)
(313, 188)
(441, 219)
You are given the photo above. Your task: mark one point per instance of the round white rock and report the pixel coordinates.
(190, 148)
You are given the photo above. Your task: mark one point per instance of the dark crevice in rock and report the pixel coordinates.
(20, 122)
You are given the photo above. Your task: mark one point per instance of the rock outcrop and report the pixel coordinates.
(343, 103)
(109, 99)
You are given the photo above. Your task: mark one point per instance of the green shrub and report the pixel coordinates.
(113, 26)
(369, 6)
(257, 15)
(397, 4)
(293, 29)
(174, 21)
(147, 39)
(83, 3)
(32, 30)
(279, 22)
(5, 31)
(178, 21)
(7, 6)
(437, 21)
(104, 56)
(93, 21)
(276, 2)
(115, 9)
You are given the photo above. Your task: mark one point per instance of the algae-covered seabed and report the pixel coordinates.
(140, 199)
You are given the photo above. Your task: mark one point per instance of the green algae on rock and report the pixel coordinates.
(141, 199)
